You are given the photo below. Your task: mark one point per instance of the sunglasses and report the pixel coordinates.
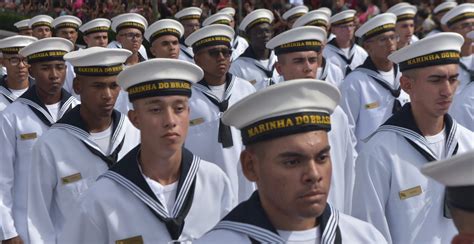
(215, 52)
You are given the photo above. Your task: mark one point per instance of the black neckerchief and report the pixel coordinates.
(183, 48)
(225, 134)
(404, 123)
(324, 68)
(141, 58)
(343, 56)
(465, 68)
(5, 90)
(73, 122)
(249, 53)
(30, 98)
(249, 218)
(127, 174)
(372, 71)
(236, 41)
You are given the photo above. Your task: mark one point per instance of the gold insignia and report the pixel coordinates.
(415, 191)
(131, 240)
(196, 121)
(28, 136)
(372, 105)
(71, 178)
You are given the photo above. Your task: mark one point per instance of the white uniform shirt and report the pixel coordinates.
(345, 62)
(185, 53)
(21, 124)
(63, 168)
(7, 95)
(238, 47)
(462, 108)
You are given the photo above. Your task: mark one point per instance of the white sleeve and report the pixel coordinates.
(349, 167)
(236, 70)
(228, 197)
(41, 186)
(7, 174)
(350, 103)
(371, 190)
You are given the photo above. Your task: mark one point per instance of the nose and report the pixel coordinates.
(107, 94)
(169, 118)
(312, 173)
(54, 74)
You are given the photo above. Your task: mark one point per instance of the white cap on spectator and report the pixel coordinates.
(162, 28)
(313, 18)
(255, 17)
(40, 20)
(129, 20)
(295, 12)
(22, 25)
(66, 21)
(189, 13)
(218, 18)
(458, 13)
(95, 25)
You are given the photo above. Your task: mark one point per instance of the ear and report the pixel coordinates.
(86, 40)
(133, 117)
(248, 161)
(406, 84)
(76, 85)
(278, 67)
(152, 50)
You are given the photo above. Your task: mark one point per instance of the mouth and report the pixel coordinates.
(313, 195)
(170, 135)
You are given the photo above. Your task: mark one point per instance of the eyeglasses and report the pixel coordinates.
(132, 35)
(215, 52)
(348, 26)
(15, 61)
(467, 25)
(381, 41)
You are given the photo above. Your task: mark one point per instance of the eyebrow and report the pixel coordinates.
(291, 154)
(443, 76)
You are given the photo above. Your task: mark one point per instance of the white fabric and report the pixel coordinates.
(346, 51)
(68, 82)
(102, 139)
(142, 50)
(462, 108)
(330, 53)
(59, 154)
(123, 104)
(166, 194)
(436, 144)
(311, 236)
(353, 231)
(18, 93)
(16, 158)
(202, 138)
(218, 91)
(388, 76)
(366, 103)
(238, 47)
(53, 110)
(12, 94)
(331, 73)
(389, 165)
(464, 76)
(186, 53)
(108, 212)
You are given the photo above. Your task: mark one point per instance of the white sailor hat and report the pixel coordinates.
(457, 173)
(295, 12)
(129, 20)
(287, 108)
(159, 77)
(210, 35)
(13, 44)
(343, 17)
(162, 28)
(189, 13)
(458, 13)
(304, 38)
(228, 10)
(255, 17)
(444, 7)
(437, 49)
(377, 25)
(66, 21)
(40, 20)
(403, 11)
(98, 61)
(95, 25)
(22, 25)
(218, 18)
(47, 49)
(326, 10)
(313, 18)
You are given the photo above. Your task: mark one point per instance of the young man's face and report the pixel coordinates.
(96, 39)
(380, 46)
(163, 121)
(344, 32)
(190, 26)
(27, 32)
(298, 65)
(405, 30)
(292, 173)
(41, 32)
(49, 76)
(165, 47)
(98, 94)
(463, 27)
(17, 67)
(432, 89)
(259, 35)
(214, 60)
(130, 38)
(68, 34)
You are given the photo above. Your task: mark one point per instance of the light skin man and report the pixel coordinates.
(131, 39)
(41, 32)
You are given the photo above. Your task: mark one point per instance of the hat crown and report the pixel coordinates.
(66, 19)
(17, 41)
(189, 11)
(217, 17)
(129, 17)
(164, 24)
(311, 16)
(97, 56)
(303, 33)
(255, 15)
(210, 31)
(373, 23)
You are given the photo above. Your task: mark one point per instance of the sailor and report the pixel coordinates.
(163, 36)
(293, 14)
(95, 32)
(159, 191)
(17, 81)
(24, 121)
(371, 93)
(129, 28)
(284, 128)
(405, 25)
(319, 17)
(256, 64)
(41, 26)
(208, 137)
(438, 14)
(342, 50)
(460, 19)
(456, 174)
(297, 51)
(390, 192)
(190, 19)
(81, 146)
(239, 44)
(23, 27)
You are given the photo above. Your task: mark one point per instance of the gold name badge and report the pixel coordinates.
(415, 191)
(196, 121)
(372, 105)
(71, 178)
(28, 136)
(131, 240)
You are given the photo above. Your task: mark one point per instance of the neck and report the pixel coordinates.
(133, 59)
(95, 123)
(343, 43)
(401, 45)
(261, 53)
(429, 125)
(214, 80)
(164, 169)
(16, 84)
(48, 98)
(466, 49)
(382, 64)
